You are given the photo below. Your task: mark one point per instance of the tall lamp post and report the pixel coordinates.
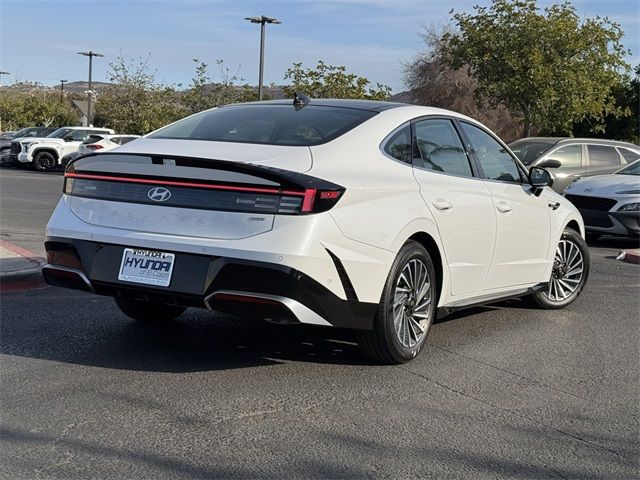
(90, 54)
(262, 20)
(62, 82)
(2, 72)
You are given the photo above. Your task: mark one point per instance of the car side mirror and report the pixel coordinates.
(539, 178)
(550, 163)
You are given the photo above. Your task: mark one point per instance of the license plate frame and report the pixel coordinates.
(146, 267)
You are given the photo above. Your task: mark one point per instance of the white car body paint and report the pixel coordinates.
(497, 238)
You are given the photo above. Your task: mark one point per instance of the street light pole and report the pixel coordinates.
(90, 54)
(262, 20)
(62, 82)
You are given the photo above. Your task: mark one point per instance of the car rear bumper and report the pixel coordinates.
(237, 286)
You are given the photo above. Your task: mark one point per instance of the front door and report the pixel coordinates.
(523, 219)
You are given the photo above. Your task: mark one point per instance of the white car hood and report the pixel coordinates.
(604, 185)
(56, 141)
(295, 159)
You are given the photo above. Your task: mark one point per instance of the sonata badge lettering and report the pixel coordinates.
(159, 194)
(147, 267)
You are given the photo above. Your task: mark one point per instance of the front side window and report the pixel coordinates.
(602, 155)
(398, 145)
(439, 148)
(496, 162)
(271, 124)
(77, 136)
(569, 156)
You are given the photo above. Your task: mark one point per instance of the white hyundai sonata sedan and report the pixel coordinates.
(372, 216)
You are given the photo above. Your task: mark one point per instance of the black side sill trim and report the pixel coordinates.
(444, 311)
(344, 278)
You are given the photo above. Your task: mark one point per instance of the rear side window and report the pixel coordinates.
(496, 162)
(439, 148)
(569, 156)
(398, 145)
(600, 155)
(267, 124)
(629, 155)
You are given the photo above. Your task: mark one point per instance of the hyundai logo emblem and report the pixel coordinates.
(159, 194)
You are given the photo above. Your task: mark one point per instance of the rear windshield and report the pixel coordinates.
(267, 124)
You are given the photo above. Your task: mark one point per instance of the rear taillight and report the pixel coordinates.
(94, 146)
(319, 200)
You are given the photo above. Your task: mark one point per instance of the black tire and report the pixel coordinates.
(145, 311)
(383, 344)
(549, 300)
(44, 162)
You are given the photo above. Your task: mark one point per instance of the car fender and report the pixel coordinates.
(48, 148)
(416, 228)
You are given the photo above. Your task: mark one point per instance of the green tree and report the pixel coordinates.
(627, 95)
(549, 67)
(135, 102)
(32, 105)
(330, 81)
(204, 93)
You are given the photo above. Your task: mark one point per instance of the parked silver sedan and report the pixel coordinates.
(572, 158)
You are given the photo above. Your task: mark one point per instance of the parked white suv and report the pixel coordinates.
(44, 153)
(351, 214)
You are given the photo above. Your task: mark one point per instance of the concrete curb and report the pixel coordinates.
(630, 256)
(20, 269)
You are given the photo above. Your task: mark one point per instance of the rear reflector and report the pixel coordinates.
(94, 147)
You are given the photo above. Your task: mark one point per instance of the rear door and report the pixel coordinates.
(459, 201)
(603, 159)
(523, 220)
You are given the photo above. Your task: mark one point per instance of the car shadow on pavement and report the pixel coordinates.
(95, 333)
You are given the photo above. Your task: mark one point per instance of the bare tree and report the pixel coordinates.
(431, 82)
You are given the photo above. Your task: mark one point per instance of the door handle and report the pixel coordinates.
(442, 204)
(554, 206)
(504, 207)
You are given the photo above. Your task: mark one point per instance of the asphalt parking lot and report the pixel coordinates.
(500, 392)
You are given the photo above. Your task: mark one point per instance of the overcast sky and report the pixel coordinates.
(40, 38)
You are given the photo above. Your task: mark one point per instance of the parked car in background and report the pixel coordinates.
(95, 143)
(103, 143)
(572, 158)
(609, 204)
(343, 213)
(5, 135)
(45, 153)
(29, 132)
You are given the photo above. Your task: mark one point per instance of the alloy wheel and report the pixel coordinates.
(411, 303)
(568, 270)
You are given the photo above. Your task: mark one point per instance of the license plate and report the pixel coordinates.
(146, 266)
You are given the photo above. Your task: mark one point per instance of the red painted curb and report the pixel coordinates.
(23, 252)
(26, 279)
(631, 256)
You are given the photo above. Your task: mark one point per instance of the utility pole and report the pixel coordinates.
(90, 54)
(62, 82)
(262, 20)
